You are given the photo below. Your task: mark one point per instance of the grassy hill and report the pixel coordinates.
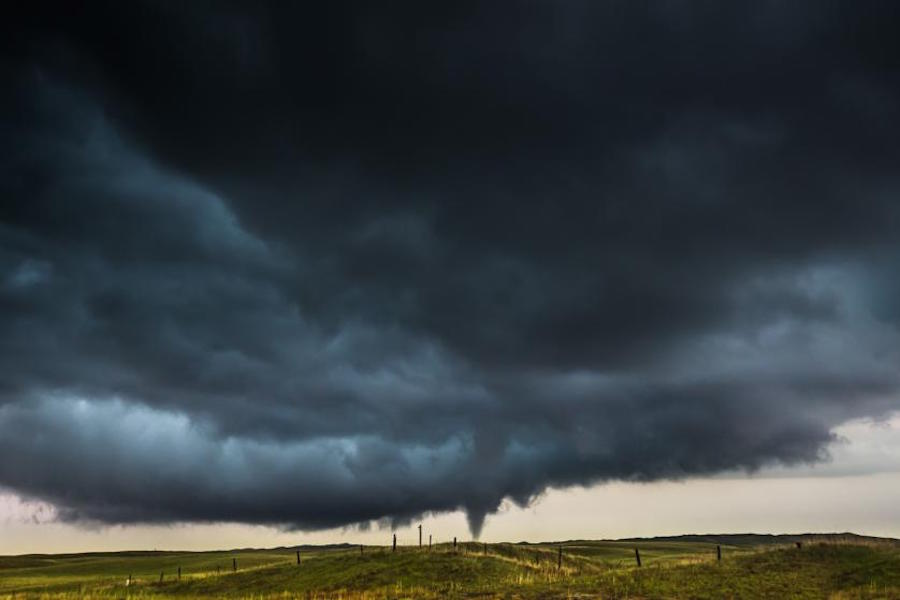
(836, 566)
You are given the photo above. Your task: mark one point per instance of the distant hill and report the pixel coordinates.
(725, 539)
(758, 539)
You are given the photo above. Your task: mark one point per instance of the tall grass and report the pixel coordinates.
(836, 568)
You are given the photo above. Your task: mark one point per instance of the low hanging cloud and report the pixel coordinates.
(327, 267)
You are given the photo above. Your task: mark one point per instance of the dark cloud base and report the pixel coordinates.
(334, 265)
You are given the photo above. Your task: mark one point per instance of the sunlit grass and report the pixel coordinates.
(837, 569)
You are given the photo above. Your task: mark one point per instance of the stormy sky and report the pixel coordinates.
(338, 263)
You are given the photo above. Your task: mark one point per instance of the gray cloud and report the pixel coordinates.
(320, 268)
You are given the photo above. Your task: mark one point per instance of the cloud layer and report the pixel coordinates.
(338, 265)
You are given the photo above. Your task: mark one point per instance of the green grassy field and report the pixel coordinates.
(751, 567)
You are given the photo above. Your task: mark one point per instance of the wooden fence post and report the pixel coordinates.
(234, 564)
(718, 552)
(637, 556)
(160, 576)
(298, 557)
(394, 547)
(429, 541)
(559, 560)
(420, 535)
(360, 549)
(179, 573)
(454, 543)
(799, 545)
(484, 549)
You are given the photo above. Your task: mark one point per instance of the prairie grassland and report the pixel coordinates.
(839, 569)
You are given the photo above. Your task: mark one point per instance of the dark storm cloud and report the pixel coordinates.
(335, 264)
